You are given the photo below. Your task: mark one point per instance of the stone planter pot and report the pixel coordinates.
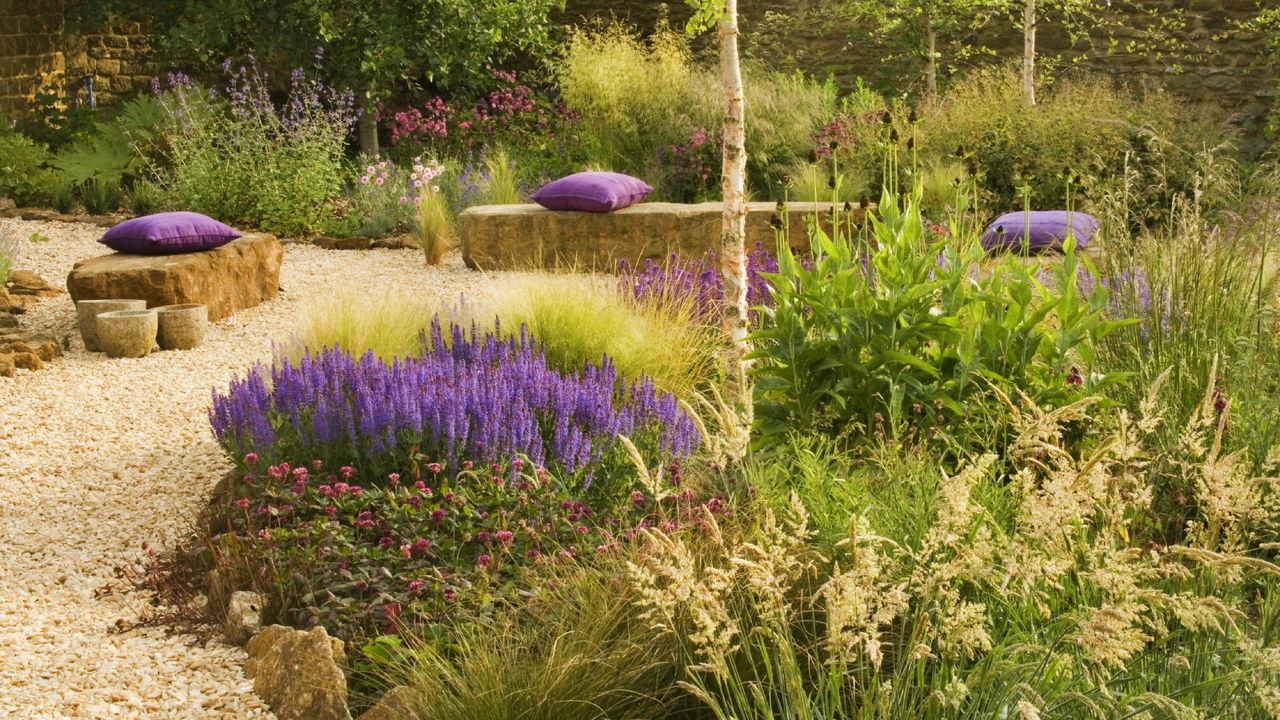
(127, 333)
(87, 312)
(182, 326)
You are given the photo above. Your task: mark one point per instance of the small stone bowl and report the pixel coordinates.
(87, 312)
(182, 326)
(127, 333)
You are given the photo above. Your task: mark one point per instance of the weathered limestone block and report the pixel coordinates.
(236, 276)
(296, 673)
(516, 237)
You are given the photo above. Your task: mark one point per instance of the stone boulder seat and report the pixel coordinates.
(522, 237)
(234, 277)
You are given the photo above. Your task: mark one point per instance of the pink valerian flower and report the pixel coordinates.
(364, 520)
(277, 472)
(341, 488)
(251, 459)
(437, 515)
(356, 490)
(483, 537)
(637, 498)
(328, 491)
(394, 479)
(484, 561)
(504, 537)
(467, 464)
(300, 475)
(422, 546)
(317, 464)
(415, 501)
(434, 468)
(406, 550)
(415, 586)
(361, 585)
(330, 510)
(449, 594)
(533, 554)
(242, 503)
(347, 471)
(385, 542)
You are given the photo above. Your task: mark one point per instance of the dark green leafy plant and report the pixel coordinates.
(23, 175)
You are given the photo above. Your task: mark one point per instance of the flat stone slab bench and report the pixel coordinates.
(236, 276)
(521, 237)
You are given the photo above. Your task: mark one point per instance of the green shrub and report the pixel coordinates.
(640, 101)
(903, 332)
(244, 161)
(24, 178)
(101, 195)
(1084, 126)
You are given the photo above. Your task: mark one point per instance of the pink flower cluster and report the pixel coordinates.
(377, 175)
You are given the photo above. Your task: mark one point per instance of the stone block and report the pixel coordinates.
(517, 237)
(297, 673)
(236, 276)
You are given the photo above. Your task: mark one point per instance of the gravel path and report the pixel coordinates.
(98, 456)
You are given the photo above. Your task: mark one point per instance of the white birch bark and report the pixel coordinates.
(1029, 51)
(931, 68)
(733, 261)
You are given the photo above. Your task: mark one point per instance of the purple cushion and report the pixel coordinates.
(168, 233)
(1048, 230)
(596, 192)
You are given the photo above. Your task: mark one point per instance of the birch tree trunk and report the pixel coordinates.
(1029, 51)
(733, 260)
(931, 67)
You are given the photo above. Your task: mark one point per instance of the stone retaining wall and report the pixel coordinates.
(36, 48)
(524, 237)
(1220, 65)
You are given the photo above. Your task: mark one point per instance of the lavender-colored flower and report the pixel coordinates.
(469, 394)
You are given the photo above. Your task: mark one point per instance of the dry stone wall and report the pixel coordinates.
(36, 48)
(1216, 64)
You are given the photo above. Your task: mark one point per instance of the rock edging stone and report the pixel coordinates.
(297, 673)
(234, 277)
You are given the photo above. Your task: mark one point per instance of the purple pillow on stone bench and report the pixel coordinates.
(1048, 230)
(168, 233)
(596, 192)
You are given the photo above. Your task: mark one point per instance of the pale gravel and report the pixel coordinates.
(98, 456)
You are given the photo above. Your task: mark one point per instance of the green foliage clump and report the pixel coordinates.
(640, 100)
(240, 159)
(24, 176)
(904, 332)
(1083, 126)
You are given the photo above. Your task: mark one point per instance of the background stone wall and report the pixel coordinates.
(37, 48)
(1217, 63)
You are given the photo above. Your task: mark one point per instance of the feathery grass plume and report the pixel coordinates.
(436, 226)
(575, 650)
(683, 594)
(502, 186)
(390, 325)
